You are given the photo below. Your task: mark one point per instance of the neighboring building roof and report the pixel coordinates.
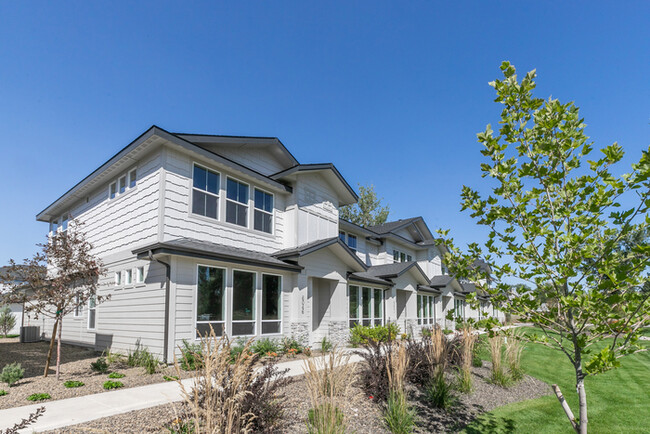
(321, 167)
(305, 249)
(387, 271)
(480, 263)
(429, 288)
(388, 227)
(468, 288)
(440, 281)
(204, 249)
(364, 276)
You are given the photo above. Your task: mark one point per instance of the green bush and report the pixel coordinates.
(438, 392)
(361, 335)
(11, 373)
(291, 344)
(477, 362)
(190, 354)
(70, 384)
(325, 419)
(170, 378)
(325, 345)
(447, 331)
(116, 375)
(399, 417)
(266, 345)
(99, 366)
(3, 392)
(38, 397)
(142, 357)
(108, 385)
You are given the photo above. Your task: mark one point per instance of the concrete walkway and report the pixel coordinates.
(71, 411)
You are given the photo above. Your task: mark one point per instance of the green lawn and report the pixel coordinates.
(618, 401)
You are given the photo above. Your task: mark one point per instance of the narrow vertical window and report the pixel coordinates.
(122, 183)
(237, 202)
(64, 222)
(409, 258)
(271, 304)
(352, 242)
(77, 306)
(263, 211)
(92, 308)
(112, 190)
(342, 236)
(210, 300)
(354, 305)
(395, 256)
(139, 276)
(54, 226)
(118, 278)
(378, 308)
(205, 192)
(132, 178)
(365, 305)
(420, 309)
(243, 303)
(128, 277)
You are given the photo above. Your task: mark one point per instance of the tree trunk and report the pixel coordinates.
(49, 351)
(582, 399)
(58, 350)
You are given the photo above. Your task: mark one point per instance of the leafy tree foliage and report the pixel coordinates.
(368, 211)
(562, 221)
(7, 320)
(71, 280)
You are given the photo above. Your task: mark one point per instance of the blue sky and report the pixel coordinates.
(393, 93)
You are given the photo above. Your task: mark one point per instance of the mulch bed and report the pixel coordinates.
(75, 365)
(362, 415)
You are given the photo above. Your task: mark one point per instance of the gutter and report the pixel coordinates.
(168, 272)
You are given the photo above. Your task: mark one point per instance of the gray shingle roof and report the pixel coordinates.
(391, 226)
(364, 276)
(305, 248)
(440, 281)
(205, 249)
(390, 270)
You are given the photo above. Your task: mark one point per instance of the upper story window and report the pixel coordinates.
(54, 225)
(122, 184)
(342, 236)
(59, 224)
(205, 192)
(112, 190)
(401, 256)
(263, 218)
(351, 240)
(237, 202)
(132, 178)
(64, 222)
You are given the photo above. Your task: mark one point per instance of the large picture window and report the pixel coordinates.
(271, 304)
(243, 303)
(426, 309)
(205, 192)
(210, 300)
(263, 211)
(366, 306)
(237, 203)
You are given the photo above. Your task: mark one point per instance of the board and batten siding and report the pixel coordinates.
(179, 222)
(318, 213)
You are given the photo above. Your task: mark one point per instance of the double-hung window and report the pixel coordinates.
(366, 306)
(205, 192)
(271, 304)
(243, 303)
(263, 211)
(237, 202)
(92, 312)
(210, 300)
(352, 242)
(122, 184)
(132, 178)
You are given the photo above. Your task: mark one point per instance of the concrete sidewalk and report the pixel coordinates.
(71, 411)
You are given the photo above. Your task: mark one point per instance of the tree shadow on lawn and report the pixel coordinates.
(487, 423)
(32, 356)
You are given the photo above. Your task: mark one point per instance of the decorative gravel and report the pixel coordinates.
(361, 414)
(75, 365)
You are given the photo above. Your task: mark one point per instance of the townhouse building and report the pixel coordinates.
(200, 231)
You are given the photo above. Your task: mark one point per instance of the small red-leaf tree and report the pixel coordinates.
(70, 282)
(561, 220)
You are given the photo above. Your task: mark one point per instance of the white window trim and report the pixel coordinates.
(135, 181)
(249, 215)
(272, 213)
(92, 309)
(280, 310)
(430, 301)
(139, 274)
(78, 310)
(118, 278)
(256, 315)
(127, 280)
(226, 297)
(372, 317)
(218, 195)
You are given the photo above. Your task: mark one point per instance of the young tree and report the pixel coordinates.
(71, 281)
(557, 220)
(368, 210)
(7, 320)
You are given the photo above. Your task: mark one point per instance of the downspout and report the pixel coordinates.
(167, 285)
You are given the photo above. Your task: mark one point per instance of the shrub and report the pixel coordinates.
(325, 419)
(112, 357)
(362, 335)
(237, 350)
(70, 384)
(100, 366)
(12, 373)
(190, 354)
(170, 378)
(373, 376)
(263, 346)
(291, 343)
(325, 345)
(108, 385)
(447, 331)
(3, 392)
(142, 357)
(477, 362)
(438, 392)
(513, 352)
(498, 376)
(38, 397)
(232, 396)
(116, 375)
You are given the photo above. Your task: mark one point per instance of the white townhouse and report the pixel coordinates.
(234, 233)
